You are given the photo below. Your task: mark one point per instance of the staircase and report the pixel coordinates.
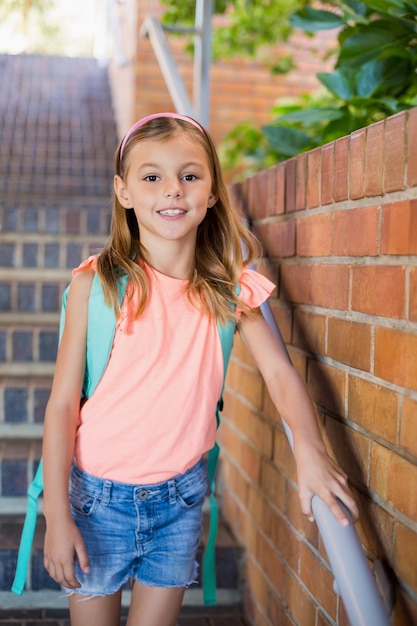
(57, 139)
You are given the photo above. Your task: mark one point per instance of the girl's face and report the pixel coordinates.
(169, 186)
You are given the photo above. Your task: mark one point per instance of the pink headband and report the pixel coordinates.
(144, 120)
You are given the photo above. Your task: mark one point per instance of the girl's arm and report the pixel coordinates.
(317, 473)
(62, 539)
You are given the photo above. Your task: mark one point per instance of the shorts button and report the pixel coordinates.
(143, 494)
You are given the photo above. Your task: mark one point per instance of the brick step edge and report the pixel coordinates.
(22, 369)
(23, 431)
(57, 600)
(35, 319)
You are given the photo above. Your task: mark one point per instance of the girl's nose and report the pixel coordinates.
(173, 188)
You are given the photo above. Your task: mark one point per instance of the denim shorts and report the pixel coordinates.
(148, 533)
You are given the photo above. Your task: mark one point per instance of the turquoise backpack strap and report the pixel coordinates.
(34, 491)
(100, 334)
(226, 333)
(23, 557)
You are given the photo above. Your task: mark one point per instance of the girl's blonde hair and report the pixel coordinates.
(221, 237)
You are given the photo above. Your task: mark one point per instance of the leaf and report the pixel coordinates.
(346, 33)
(285, 140)
(355, 11)
(337, 128)
(312, 20)
(340, 82)
(370, 78)
(399, 52)
(391, 104)
(412, 6)
(362, 103)
(385, 6)
(396, 78)
(380, 36)
(309, 117)
(357, 7)
(371, 107)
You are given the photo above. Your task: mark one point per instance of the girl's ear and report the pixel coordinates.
(212, 200)
(121, 192)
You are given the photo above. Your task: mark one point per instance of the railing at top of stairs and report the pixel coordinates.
(152, 28)
(367, 595)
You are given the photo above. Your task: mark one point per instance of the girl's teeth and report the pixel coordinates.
(171, 212)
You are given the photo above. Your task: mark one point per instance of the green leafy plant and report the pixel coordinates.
(297, 125)
(246, 28)
(374, 77)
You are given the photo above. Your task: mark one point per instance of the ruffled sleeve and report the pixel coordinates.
(254, 288)
(90, 263)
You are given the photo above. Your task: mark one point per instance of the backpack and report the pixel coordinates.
(100, 333)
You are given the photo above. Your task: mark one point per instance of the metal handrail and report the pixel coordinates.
(153, 29)
(202, 61)
(354, 581)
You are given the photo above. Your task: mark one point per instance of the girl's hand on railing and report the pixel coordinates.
(319, 475)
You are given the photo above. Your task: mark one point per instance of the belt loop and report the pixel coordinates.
(172, 489)
(106, 492)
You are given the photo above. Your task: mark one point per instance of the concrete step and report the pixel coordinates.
(21, 432)
(28, 318)
(228, 611)
(67, 216)
(46, 253)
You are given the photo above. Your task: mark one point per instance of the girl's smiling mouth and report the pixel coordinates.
(172, 212)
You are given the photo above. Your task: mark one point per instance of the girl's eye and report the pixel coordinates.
(190, 177)
(151, 178)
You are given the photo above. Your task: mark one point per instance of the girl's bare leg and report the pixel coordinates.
(154, 606)
(85, 611)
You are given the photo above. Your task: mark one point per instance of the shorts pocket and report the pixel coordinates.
(82, 503)
(192, 492)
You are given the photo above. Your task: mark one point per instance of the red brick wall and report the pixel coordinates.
(339, 228)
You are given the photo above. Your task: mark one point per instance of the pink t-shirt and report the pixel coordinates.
(152, 415)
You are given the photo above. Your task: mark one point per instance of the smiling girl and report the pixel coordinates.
(124, 479)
